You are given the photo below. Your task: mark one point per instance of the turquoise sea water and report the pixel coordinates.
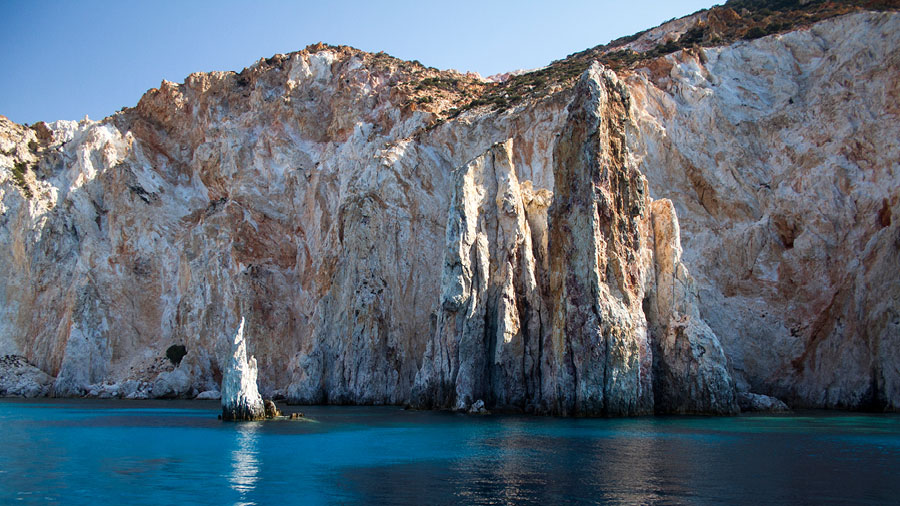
(177, 452)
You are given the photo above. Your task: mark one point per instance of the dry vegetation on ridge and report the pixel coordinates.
(736, 20)
(448, 93)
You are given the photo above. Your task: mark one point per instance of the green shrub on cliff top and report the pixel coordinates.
(18, 172)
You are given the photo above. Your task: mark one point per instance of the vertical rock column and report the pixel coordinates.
(240, 396)
(596, 358)
(544, 307)
(690, 373)
(487, 337)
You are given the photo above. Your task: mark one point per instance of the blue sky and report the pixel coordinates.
(65, 59)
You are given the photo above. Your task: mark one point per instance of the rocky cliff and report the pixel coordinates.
(716, 220)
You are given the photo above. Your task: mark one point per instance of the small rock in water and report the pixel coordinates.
(478, 408)
(271, 409)
(240, 394)
(761, 403)
(296, 416)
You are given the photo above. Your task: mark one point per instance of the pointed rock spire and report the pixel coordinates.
(240, 396)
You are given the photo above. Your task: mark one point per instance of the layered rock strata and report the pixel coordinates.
(528, 258)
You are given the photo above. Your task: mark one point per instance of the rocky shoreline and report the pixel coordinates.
(700, 231)
(18, 378)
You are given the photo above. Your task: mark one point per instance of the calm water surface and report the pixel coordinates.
(177, 452)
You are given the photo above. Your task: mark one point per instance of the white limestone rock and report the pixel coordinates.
(240, 397)
(488, 330)
(543, 295)
(691, 372)
(307, 188)
(782, 158)
(18, 378)
(175, 383)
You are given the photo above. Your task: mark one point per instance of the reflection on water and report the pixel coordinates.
(520, 460)
(244, 463)
(86, 452)
(507, 466)
(632, 462)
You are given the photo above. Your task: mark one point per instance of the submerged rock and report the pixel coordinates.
(240, 396)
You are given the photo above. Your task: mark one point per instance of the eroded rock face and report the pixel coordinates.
(240, 396)
(598, 356)
(542, 304)
(781, 156)
(488, 327)
(691, 373)
(514, 257)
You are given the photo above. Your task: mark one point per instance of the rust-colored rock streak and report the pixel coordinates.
(543, 309)
(387, 251)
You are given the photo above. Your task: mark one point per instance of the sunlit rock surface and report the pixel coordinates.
(782, 156)
(542, 305)
(240, 396)
(714, 221)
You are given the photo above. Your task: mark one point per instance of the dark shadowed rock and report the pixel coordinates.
(761, 403)
(271, 410)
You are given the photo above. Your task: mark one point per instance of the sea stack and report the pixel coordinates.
(240, 397)
(705, 210)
